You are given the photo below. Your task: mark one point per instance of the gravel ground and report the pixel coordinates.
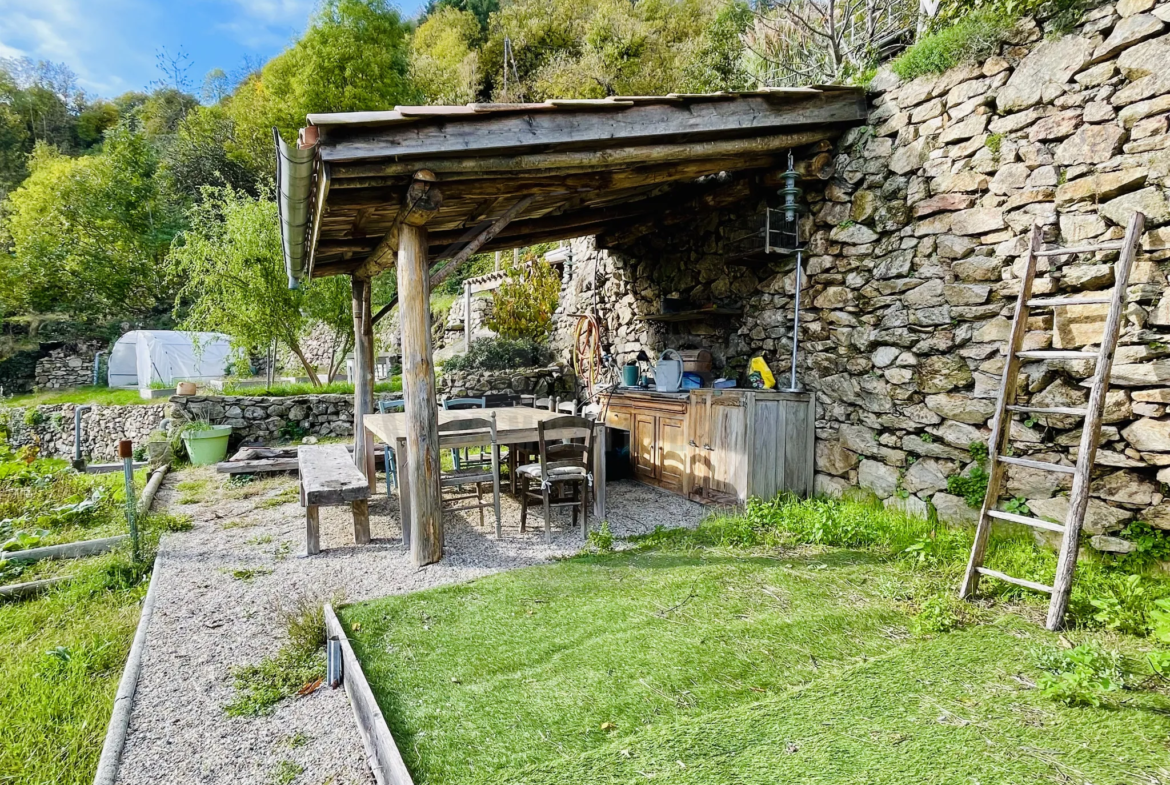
(206, 621)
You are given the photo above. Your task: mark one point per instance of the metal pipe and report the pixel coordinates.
(77, 410)
(795, 325)
(126, 453)
(97, 367)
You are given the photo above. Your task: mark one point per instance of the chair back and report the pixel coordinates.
(386, 407)
(500, 400)
(464, 403)
(466, 431)
(564, 453)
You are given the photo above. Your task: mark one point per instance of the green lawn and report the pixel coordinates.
(695, 659)
(105, 396)
(284, 390)
(62, 656)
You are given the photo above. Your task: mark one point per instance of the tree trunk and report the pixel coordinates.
(309, 369)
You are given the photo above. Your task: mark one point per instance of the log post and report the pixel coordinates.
(418, 374)
(466, 317)
(363, 373)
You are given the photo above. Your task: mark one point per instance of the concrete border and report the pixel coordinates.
(70, 550)
(17, 590)
(119, 725)
(382, 753)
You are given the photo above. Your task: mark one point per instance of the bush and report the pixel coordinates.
(972, 487)
(972, 38)
(523, 307)
(1081, 676)
(499, 354)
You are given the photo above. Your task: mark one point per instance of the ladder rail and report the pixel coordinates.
(1066, 563)
(1001, 426)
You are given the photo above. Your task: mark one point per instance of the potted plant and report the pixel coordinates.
(205, 443)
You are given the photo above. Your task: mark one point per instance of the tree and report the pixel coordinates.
(89, 234)
(205, 150)
(444, 63)
(523, 306)
(482, 10)
(232, 268)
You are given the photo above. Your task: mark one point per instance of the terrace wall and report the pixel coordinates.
(914, 258)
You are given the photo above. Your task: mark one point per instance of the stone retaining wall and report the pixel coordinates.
(553, 380)
(51, 428)
(67, 366)
(263, 419)
(914, 261)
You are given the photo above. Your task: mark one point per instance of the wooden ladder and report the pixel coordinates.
(1001, 425)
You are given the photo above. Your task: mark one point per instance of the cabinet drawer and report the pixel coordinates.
(621, 420)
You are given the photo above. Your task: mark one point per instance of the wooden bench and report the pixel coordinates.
(329, 478)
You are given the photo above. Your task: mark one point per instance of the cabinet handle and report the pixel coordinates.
(708, 447)
(693, 443)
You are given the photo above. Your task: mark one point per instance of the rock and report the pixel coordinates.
(834, 297)
(1099, 112)
(865, 204)
(927, 295)
(978, 220)
(1158, 516)
(954, 510)
(956, 434)
(964, 181)
(1152, 374)
(1077, 228)
(858, 439)
(1129, 31)
(944, 202)
(995, 330)
(964, 129)
(878, 477)
(960, 407)
(832, 458)
(1149, 201)
(1148, 57)
(1057, 126)
(1053, 62)
(966, 293)
(928, 475)
(827, 485)
(1125, 487)
(1112, 544)
(1100, 518)
(915, 445)
(1060, 394)
(1131, 114)
(1148, 435)
(853, 234)
(884, 355)
(1092, 144)
(1130, 7)
(911, 505)
(941, 373)
(1087, 276)
(908, 158)
(1033, 483)
(1100, 186)
(1009, 178)
(977, 268)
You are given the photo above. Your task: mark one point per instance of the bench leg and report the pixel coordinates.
(361, 521)
(312, 530)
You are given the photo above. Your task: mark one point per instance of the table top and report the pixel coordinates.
(513, 423)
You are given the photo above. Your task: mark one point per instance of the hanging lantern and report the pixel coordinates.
(782, 223)
(790, 192)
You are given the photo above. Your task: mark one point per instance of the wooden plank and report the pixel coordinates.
(1041, 465)
(329, 477)
(810, 439)
(1116, 246)
(361, 522)
(1078, 500)
(635, 125)
(1027, 521)
(1000, 427)
(418, 386)
(69, 550)
(363, 392)
(1049, 410)
(312, 530)
(767, 445)
(382, 755)
(1016, 581)
(1052, 302)
(258, 466)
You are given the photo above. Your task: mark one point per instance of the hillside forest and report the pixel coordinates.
(155, 208)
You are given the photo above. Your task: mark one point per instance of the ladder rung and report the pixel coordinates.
(1024, 519)
(1049, 410)
(1049, 467)
(1114, 246)
(1051, 302)
(1050, 354)
(1016, 581)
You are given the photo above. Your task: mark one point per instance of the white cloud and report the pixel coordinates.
(280, 12)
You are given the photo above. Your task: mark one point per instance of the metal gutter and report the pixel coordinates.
(294, 177)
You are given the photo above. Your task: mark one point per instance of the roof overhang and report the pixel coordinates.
(535, 172)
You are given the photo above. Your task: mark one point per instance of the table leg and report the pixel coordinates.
(402, 460)
(496, 487)
(599, 473)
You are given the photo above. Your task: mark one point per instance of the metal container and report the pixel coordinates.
(696, 360)
(668, 372)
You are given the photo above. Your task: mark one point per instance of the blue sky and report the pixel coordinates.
(111, 44)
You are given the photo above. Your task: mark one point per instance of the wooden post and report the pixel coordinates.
(466, 317)
(363, 381)
(421, 471)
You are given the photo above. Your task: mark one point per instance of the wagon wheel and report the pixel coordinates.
(587, 351)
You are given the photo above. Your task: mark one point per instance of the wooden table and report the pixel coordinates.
(514, 425)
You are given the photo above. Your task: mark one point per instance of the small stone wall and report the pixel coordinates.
(541, 382)
(262, 419)
(67, 366)
(51, 428)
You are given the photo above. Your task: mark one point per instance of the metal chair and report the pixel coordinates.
(564, 465)
(462, 433)
(387, 407)
(456, 404)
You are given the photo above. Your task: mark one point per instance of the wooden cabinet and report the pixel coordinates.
(719, 445)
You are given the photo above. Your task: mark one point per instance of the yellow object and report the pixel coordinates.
(759, 366)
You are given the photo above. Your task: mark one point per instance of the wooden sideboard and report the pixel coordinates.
(719, 445)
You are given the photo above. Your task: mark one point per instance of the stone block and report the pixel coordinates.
(978, 220)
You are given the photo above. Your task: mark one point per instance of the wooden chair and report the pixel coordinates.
(456, 404)
(564, 465)
(479, 431)
(386, 407)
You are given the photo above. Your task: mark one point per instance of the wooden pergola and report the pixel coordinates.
(423, 188)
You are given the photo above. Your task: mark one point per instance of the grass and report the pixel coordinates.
(62, 655)
(104, 396)
(394, 384)
(972, 38)
(805, 638)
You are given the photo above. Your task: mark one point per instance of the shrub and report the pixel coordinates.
(971, 486)
(1081, 676)
(939, 614)
(499, 354)
(1124, 606)
(523, 307)
(602, 539)
(974, 37)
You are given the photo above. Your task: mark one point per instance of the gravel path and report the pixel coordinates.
(206, 620)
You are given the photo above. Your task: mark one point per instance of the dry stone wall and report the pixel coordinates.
(262, 419)
(553, 380)
(70, 365)
(914, 260)
(50, 428)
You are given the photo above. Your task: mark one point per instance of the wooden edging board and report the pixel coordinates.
(382, 753)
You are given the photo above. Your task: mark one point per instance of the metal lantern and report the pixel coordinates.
(782, 230)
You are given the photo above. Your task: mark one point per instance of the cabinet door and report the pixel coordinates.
(672, 452)
(698, 459)
(643, 447)
(726, 446)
